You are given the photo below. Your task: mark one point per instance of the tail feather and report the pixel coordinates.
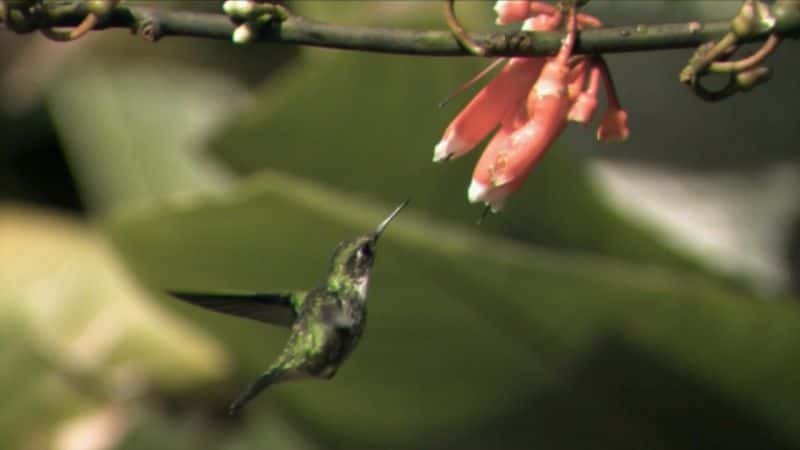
(267, 378)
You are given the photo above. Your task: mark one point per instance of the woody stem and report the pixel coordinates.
(158, 22)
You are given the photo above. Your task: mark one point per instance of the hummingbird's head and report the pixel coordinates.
(353, 259)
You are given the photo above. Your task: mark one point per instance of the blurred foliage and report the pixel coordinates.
(155, 149)
(557, 324)
(77, 331)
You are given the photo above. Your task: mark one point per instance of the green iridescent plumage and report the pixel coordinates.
(326, 322)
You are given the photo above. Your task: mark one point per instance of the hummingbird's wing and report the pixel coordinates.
(278, 309)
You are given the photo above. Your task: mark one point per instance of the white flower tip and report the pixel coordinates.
(578, 117)
(238, 8)
(496, 198)
(229, 7)
(242, 34)
(501, 9)
(441, 153)
(510, 11)
(448, 148)
(530, 24)
(477, 191)
(492, 196)
(614, 126)
(500, 6)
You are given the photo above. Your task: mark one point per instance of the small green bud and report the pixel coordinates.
(750, 78)
(787, 11)
(100, 8)
(754, 16)
(744, 23)
(766, 20)
(239, 8)
(243, 34)
(248, 10)
(263, 19)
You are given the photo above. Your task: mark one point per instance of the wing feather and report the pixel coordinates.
(276, 308)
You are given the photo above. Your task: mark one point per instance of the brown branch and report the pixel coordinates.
(154, 23)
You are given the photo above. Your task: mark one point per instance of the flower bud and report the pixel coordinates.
(243, 34)
(750, 78)
(742, 24)
(614, 126)
(100, 8)
(239, 8)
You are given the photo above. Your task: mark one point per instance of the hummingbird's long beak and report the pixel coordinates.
(391, 217)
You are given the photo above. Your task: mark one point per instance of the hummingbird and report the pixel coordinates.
(326, 322)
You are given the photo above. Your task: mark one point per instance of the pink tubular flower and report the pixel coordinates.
(501, 170)
(531, 100)
(586, 102)
(510, 11)
(486, 109)
(614, 126)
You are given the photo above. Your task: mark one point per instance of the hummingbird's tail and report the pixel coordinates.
(267, 378)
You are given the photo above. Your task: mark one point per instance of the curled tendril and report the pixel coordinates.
(748, 62)
(713, 57)
(744, 74)
(84, 27)
(459, 32)
(724, 92)
(96, 14)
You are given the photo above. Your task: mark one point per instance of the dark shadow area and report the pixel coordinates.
(792, 254)
(32, 164)
(628, 400)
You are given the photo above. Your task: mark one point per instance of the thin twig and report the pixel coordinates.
(156, 23)
(748, 62)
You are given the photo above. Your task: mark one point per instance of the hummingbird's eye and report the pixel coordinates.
(364, 252)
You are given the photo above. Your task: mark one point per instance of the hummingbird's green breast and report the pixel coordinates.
(328, 328)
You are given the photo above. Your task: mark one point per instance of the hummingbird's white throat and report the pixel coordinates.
(362, 283)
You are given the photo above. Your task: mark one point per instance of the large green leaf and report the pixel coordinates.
(466, 329)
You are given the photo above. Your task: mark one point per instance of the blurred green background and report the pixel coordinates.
(634, 296)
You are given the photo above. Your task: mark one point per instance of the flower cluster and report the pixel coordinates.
(529, 102)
